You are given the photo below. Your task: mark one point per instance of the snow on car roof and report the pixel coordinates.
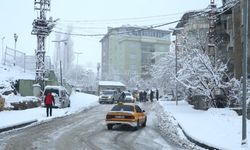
(114, 83)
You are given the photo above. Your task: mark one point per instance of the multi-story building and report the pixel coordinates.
(130, 51)
(195, 26)
(228, 34)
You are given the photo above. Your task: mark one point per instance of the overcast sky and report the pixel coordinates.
(89, 17)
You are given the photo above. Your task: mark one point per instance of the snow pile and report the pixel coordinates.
(12, 73)
(219, 128)
(6, 87)
(79, 102)
(17, 98)
(168, 126)
(8, 77)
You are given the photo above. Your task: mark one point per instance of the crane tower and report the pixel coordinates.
(41, 28)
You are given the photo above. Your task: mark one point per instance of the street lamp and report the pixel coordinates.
(15, 38)
(245, 66)
(77, 54)
(58, 41)
(175, 30)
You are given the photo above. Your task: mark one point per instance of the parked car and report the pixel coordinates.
(60, 94)
(168, 97)
(126, 114)
(129, 97)
(107, 96)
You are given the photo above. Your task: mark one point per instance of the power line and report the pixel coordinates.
(199, 13)
(228, 8)
(77, 34)
(120, 19)
(136, 30)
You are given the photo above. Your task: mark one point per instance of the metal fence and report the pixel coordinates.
(27, 62)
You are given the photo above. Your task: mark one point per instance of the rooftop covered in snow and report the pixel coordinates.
(112, 83)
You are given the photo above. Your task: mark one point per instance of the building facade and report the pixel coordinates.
(131, 51)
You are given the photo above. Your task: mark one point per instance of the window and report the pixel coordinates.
(138, 109)
(123, 108)
(56, 91)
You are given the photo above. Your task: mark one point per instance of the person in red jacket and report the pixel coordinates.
(48, 101)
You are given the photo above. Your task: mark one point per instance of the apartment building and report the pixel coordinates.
(130, 51)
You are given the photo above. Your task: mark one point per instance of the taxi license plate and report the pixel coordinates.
(119, 117)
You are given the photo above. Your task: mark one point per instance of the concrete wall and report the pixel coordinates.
(25, 87)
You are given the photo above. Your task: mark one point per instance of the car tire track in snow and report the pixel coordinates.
(87, 130)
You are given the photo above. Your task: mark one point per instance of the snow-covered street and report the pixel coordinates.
(85, 130)
(219, 128)
(68, 70)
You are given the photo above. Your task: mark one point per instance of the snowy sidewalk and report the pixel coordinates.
(79, 102)
(219, 128)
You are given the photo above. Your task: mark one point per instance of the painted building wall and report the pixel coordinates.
(126, 53)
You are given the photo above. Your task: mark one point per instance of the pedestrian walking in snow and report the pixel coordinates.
(157, 94)
(151, 95)
(122, 97)
(144, 96)
(49, 101)
(141, 96)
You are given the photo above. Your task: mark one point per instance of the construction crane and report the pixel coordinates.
(41, 28)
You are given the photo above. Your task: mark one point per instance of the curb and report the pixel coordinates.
(197, 142)
(16, 126)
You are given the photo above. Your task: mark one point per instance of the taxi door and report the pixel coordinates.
(140, 113)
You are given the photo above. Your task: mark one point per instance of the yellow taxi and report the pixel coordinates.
(126, 114)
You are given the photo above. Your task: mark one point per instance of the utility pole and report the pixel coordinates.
(176, 70)
(176, 31)
(245, 49)
(41, 28)
(98, 71)
(211, 32)
(77, 54)
(61, 73)
(59, 41)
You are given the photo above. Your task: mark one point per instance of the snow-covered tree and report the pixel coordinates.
(200, 77)
(196, 75)
(163, 72)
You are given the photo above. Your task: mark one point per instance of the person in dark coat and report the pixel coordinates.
(49, 101)
(141, 96)
(122, 97)
(157, 94)
(144, 96)
(151, 95)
